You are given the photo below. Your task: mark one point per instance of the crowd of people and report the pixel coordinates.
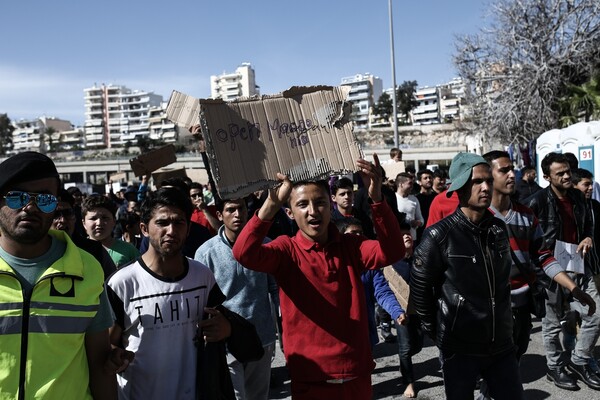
(176, 293)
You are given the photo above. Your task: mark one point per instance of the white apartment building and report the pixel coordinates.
(365, 90)
(230, 86)
(115, 115)
(439, 104)
(37, 134)
(160, 127)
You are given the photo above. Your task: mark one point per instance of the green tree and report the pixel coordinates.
(384, 106)
(6, 131)
(405, 98)
(528, 57)
(46, 141)
(405, 102)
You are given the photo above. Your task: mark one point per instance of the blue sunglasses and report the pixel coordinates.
(45, 202)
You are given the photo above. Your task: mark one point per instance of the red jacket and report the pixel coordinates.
(322, 299)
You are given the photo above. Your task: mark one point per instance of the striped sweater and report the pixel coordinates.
(525, 235)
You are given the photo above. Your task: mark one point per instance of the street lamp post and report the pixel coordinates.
(395, 110)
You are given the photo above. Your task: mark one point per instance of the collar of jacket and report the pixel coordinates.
(572, 194)
(482, 226)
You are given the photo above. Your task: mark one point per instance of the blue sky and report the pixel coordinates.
(52, 50)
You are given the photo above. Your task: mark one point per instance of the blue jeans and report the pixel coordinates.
(588, 334)
(501, 372)
(410, 342)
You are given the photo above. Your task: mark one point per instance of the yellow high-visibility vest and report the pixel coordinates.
(42, 338)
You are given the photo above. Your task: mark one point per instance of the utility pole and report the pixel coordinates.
(395, 109)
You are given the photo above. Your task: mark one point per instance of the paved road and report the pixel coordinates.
(386, 382)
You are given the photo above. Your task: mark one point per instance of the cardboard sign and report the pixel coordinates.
(392, 169)
(399, 286)
(161, 175)
(145, 164)
(117, 177)
(303, 132)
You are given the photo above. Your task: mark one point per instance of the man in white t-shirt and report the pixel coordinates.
(408, 203)
(160, 303)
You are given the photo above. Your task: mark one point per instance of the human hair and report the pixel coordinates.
(404, 226)
(64, 195)
(166, 196)
(572, 159)
(344, 223)
(440, 173)
(98, 201)
(220, 203)
(395, 152)
(73, 189)
(551, 158)
(402, 177)
(128, 219)
(526, 169)
(341, 183)
(494, 155)
(196, 185)
(320, 183)
(178, 183)
(424, 172)
(578, 174)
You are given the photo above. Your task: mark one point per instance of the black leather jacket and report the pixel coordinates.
(545, 206)
(460, 285)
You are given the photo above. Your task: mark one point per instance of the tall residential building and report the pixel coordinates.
(160, 127)
(365, 90)
(115, 115)
(38, 134)
(241, 83)
(439, 104)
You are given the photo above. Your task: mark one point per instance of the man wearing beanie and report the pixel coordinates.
(460, 288)
(54, 313)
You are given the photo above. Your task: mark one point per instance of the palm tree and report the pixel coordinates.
(581, 102)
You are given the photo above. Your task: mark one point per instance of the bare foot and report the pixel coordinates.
(410, 391)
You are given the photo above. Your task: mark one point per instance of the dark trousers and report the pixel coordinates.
(501, 372)
(410, 342)
(521, 329)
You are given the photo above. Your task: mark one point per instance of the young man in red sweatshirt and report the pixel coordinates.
(319, 275)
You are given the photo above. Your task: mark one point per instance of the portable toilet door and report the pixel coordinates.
(581, 139)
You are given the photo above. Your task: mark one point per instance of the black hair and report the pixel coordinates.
(64, 195)
(551, 158)
(128, 219)
(167, 196)
(578, 174)
(402, 177)
(178, 183)
(424, 172)
(341, 183)
(572, 159)
(440, 173)
(526, 169)
(196, 185)
(220, 203)
(344, 223)
(494, 155)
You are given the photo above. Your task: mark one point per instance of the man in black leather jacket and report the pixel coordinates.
(564, 216)
(460, 288)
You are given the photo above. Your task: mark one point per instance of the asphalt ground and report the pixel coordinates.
(430, 384)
